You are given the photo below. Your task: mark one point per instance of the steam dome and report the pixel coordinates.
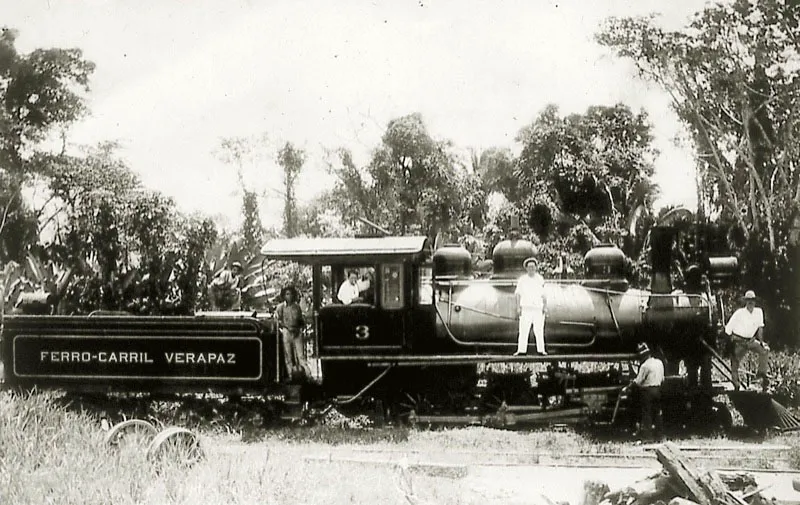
(508, 256)
(452, 261)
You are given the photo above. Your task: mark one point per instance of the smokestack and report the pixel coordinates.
(513, 232)
(661, 240)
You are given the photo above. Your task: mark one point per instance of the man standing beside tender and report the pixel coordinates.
(531, 308)
(746, 328)
(291, 323)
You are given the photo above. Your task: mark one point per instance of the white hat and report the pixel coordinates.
(750, 295)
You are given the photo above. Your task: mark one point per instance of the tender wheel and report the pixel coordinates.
(176, 444)
(131, 431)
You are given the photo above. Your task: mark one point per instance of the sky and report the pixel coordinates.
(173, 78)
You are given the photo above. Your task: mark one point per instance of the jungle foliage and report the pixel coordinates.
(733, 76)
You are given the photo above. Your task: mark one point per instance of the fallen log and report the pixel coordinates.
(645, 491)
(704, 488)
(739, 481)
(669, 457)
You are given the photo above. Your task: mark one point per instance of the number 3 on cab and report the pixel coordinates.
(362, 332)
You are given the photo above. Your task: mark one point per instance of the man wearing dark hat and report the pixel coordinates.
(531, 308)
(648, 384)
(746, 328)
(223, 292)
(291, 322)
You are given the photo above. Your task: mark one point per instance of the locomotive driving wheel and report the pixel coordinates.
(411, 405)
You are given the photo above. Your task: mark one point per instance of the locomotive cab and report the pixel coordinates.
(392, 284)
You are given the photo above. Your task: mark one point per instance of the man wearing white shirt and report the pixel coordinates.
(531, 307)
(348, 291)
(648, 382)
(746, 328)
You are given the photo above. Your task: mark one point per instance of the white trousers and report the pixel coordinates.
(527, 319)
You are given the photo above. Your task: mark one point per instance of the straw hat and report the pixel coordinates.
(749, 296)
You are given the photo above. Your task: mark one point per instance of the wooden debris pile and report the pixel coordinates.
(679, 483)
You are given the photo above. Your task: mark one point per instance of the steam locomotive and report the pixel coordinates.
(432, 342)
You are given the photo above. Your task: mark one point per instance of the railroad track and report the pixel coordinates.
(772, 459)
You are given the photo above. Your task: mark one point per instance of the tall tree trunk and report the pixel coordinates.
(752, 162)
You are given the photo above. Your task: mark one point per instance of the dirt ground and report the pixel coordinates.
(487, 466)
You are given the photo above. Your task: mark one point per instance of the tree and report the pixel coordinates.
(412, 184)
(352, 196)
(495, 167)
(129, 247)
(734, 80)
(409, 169)
(238, 151)
(251, 231)
(321, 217)
(291, 159)
(39, 91)
(591, 170)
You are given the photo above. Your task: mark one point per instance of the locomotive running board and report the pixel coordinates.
(476, 359)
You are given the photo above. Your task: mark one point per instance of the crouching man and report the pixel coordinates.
(648, 384)
(224, 291)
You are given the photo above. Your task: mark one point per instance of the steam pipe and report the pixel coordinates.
(367, 387)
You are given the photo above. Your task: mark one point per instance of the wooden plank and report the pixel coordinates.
(705, 488)
(669, 456)
(713, 485)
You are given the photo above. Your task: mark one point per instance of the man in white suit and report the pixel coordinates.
(531, 308)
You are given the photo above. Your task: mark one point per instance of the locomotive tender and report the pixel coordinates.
(426, 345)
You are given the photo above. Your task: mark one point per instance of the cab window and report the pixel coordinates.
(326, 287)
(392, 292)
(426, 285)
(353, 284)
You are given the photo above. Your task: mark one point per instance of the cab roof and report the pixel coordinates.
(347, 250)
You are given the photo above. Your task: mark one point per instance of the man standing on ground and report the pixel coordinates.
(648, 383)
(531, 308)
(746, 328)
(291, 323)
